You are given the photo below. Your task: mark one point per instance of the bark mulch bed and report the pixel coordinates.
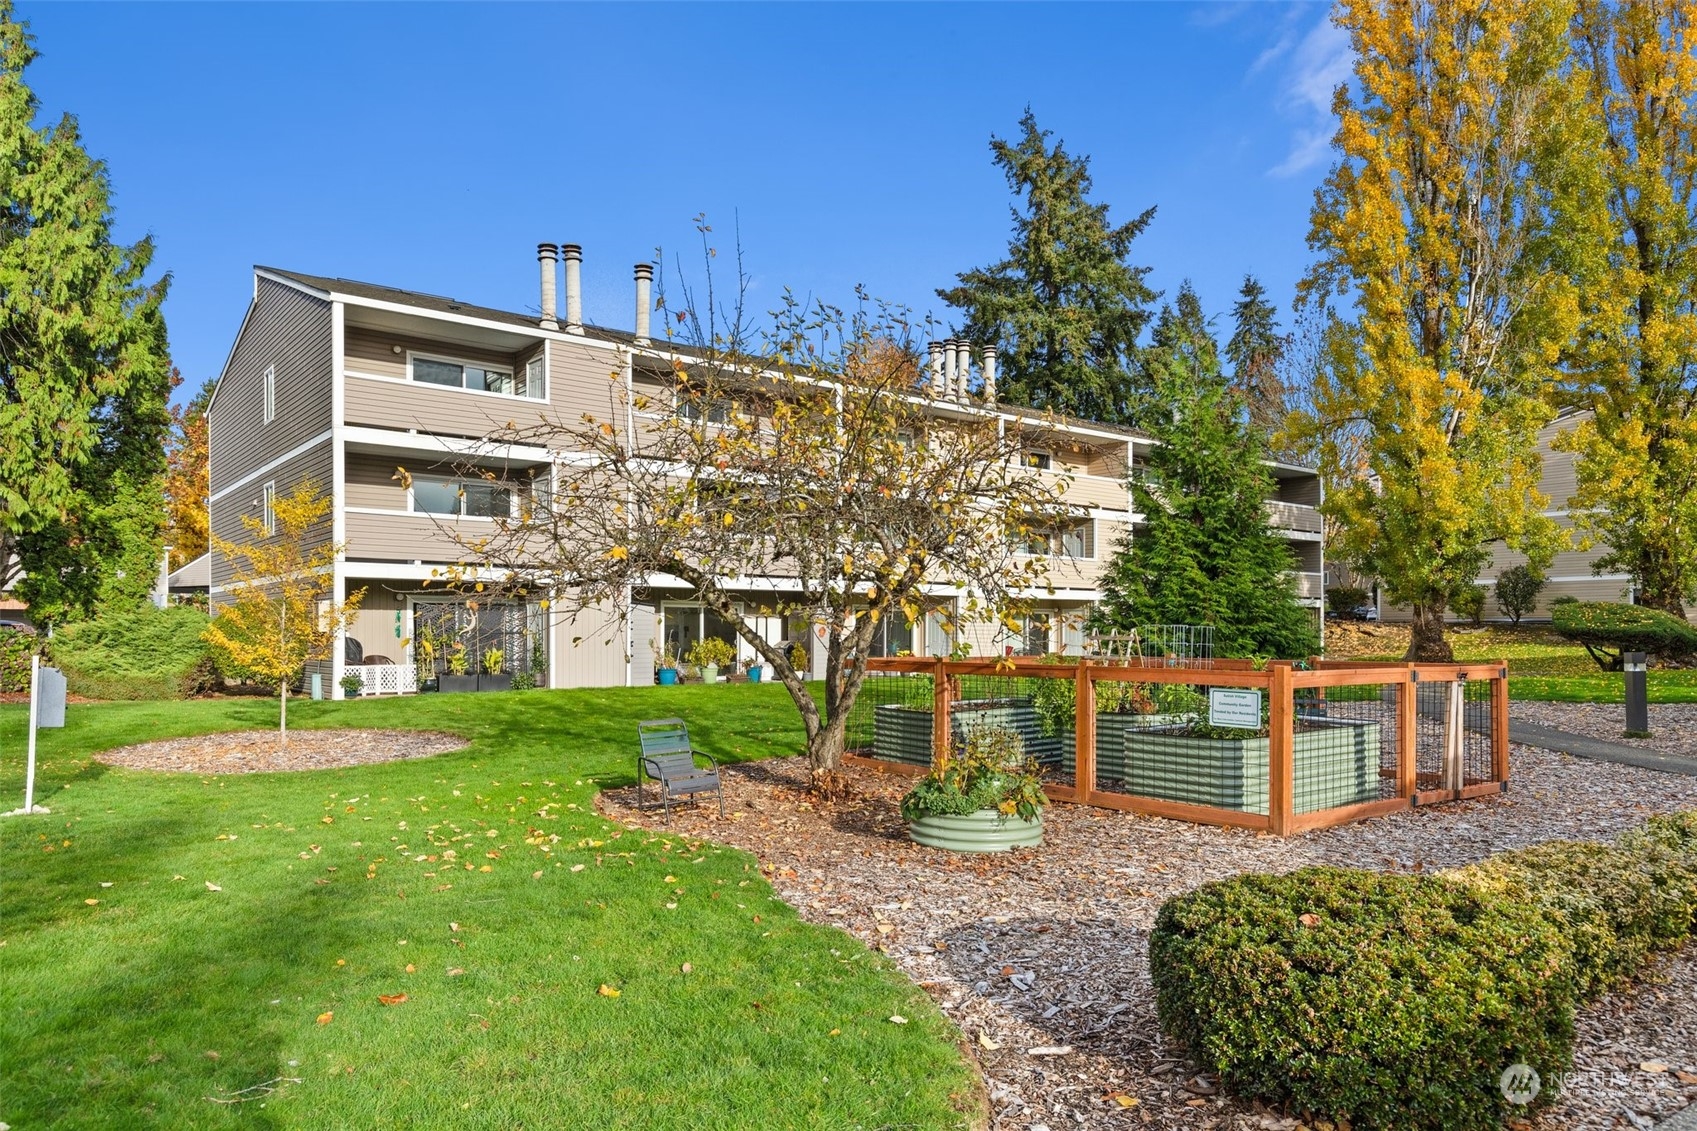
(1041, 956)
(259, 752)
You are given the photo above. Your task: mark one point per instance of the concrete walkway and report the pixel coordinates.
(1580, 746)
(1683, 1121)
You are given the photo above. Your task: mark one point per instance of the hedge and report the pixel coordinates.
(1608, 628)
(16, 644)
(136, 653)
(1396, 1001)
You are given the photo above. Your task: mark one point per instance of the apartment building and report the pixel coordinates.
(384, 396)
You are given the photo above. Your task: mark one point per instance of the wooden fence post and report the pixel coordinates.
(1084, 732)
(1407, 733)
(940, 728)
(1499, 724)
(1281, 767)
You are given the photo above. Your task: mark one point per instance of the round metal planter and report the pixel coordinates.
(987, 830)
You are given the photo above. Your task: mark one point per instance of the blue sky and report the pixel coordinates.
(432, 146)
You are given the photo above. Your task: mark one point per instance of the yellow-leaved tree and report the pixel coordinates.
(276, 614)
(1637, 365)
(1447, 317)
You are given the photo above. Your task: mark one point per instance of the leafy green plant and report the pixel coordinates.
(1517, 591)
(1470, 603)
(1608, 629)
(351, 684)
(1056, 701)
(523, 681)
(710, 651)
(1394, 1001)
(16, 644)
(1341, 600)
(494, 661)
(458, 661)
(136, 653)
(987, 769)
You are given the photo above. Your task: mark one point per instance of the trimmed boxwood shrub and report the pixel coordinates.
(1607, 629)
(1615, 903)
(136, 653)
(1393, 1000)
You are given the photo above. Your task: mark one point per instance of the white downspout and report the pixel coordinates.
(338, 494)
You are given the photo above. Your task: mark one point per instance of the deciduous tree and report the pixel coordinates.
(186, 479)
(804, 465)
(1430, 228)
(1066, 306)
(1637, 361)
(84, 369)
(276, 613)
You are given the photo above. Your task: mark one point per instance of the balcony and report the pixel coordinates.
(1295, 517)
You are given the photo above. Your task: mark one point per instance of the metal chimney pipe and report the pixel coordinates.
(963, 366)
(951, 377)
(573, 255)
(644, 303)
(936, 385)
(990, 376)
(545, 256)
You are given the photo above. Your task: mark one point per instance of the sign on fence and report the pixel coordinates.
(1234, 707)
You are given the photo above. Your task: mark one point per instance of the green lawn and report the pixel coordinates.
(1544, 666)
(136, 995)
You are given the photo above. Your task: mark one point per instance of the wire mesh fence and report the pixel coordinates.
(1206, 743)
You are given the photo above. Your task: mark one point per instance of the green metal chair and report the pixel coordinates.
(668, 760)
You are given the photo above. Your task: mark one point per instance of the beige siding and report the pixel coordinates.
(436, 411)
(227, 512)
(410, 537)
(581, 380)
(1085, 491)
(1294, 516)
(371, 482)
(374, 352)
(597, 658)
(290, 332)
(374, 625)
(1304, 492)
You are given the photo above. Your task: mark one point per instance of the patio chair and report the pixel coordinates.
(669, 760)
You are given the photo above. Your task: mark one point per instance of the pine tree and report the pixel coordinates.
(84, 369)
(1256, 350)
(1065, 308)
(1205, 553)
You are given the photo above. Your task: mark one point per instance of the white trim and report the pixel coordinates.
(284, 281)
(464, 363)
(252, 305)
(268, 508)
(268, 393)
(513, 328)
(292, 453)
(338, 494)
(446, 388)
(428, 443)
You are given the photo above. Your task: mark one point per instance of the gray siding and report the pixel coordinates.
(290, 331)
(227, 512)
(589, 651)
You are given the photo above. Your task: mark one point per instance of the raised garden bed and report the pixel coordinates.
(1336, 763)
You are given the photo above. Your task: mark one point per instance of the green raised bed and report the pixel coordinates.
(1336, 763)
(903, 734)
(987, 830)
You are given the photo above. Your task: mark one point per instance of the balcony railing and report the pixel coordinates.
(1295, 516)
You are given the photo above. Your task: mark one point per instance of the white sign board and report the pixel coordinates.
(1234, 707)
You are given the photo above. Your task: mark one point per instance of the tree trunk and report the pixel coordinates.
(1667, 598)
(1426, 642)
(283, 713)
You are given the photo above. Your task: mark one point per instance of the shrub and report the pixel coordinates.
(1607, 629)
(1394, 1001)
(1470, 603)
(1517, 591)
(710, 651)
(136, 653)
(1615, 903)
(1565, 599)
(16, 644)
(1342, 600)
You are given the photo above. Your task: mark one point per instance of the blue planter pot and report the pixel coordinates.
(987, 830)
(756, 674)
(668, 677)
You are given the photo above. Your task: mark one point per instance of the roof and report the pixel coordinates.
(192, 575)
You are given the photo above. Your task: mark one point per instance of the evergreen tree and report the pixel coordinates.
(84, 371)
(1065, 308)
(1255, 351)
(1205, 553)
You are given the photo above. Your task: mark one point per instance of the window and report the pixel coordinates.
(479, 378)
(713, 410)
(1034, 636)
(461, 498)
(268, 515)
(270, 392)
(1079, 541)
(893, 638)
(1040, 460)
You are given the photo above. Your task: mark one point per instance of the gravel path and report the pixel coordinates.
(1041, 956)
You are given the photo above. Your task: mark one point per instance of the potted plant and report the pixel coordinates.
(667, 669)
(494, 677)
(756, 670)
(987, 797)
(351, 684)
(456, 677)
(424, 658)
(710, 654)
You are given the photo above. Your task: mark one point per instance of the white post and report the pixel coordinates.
(34, 709)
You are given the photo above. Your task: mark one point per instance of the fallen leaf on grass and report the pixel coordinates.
(326, 1018)
(391, 999)
(210, 886)
(686, 968)
(455, 972)
(91, 902)
(577, 867)
(897, 1019)
(411, 968)
(607, 991)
